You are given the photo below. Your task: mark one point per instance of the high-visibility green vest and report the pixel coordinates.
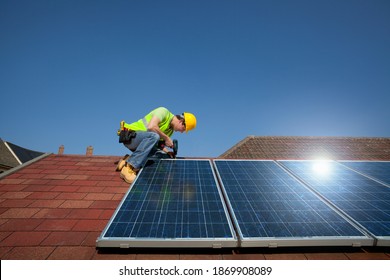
(165, 121)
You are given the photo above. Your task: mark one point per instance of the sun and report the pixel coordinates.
(322, 167)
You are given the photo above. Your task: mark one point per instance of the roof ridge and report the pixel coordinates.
(296, 147)
(321, 137)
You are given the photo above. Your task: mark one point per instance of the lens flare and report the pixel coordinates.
(322, 167)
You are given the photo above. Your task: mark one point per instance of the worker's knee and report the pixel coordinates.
(154, 136)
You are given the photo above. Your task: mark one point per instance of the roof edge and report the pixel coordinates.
(318, 137)
(17, 168)
(12, 152)
(239, 144)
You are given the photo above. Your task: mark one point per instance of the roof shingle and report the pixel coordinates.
(290, 147)
(58, 201)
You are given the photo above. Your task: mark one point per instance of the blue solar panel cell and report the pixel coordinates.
(179, 203)
(269, 205)
(366, 201)
(171, 201)
(379, 170)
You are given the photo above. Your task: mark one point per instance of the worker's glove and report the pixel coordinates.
(171, 154)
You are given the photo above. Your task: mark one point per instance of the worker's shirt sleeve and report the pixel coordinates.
(165, 117)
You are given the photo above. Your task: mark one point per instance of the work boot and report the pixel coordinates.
(128, 173)
(122, 163)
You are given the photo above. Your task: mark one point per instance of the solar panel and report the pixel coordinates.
(365, 201)
(378, 170)
(270, 208)
(172, 203)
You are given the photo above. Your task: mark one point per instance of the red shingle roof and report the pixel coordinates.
(56, 208)
(290, 147)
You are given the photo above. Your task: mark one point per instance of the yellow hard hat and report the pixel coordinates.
(190, 121)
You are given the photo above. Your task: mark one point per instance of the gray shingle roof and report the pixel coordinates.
(12, 155)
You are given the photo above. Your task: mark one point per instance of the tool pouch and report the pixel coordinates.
(125, 136)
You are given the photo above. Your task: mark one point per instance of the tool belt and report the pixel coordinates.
(126, 135)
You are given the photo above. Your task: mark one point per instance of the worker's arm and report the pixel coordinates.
(153, 126)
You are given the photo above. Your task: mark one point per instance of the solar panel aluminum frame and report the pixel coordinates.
(126, 243)
(380, 240)
(136, 242)
(315, 241)
(274, 242)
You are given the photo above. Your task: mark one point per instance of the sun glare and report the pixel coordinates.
(321, 167)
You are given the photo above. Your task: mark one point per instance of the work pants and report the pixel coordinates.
(143, 145)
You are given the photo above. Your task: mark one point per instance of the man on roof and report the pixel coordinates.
(141, 137)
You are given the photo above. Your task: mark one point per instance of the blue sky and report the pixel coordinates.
(71, 70)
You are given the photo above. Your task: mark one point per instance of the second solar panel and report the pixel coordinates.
(271, 208)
